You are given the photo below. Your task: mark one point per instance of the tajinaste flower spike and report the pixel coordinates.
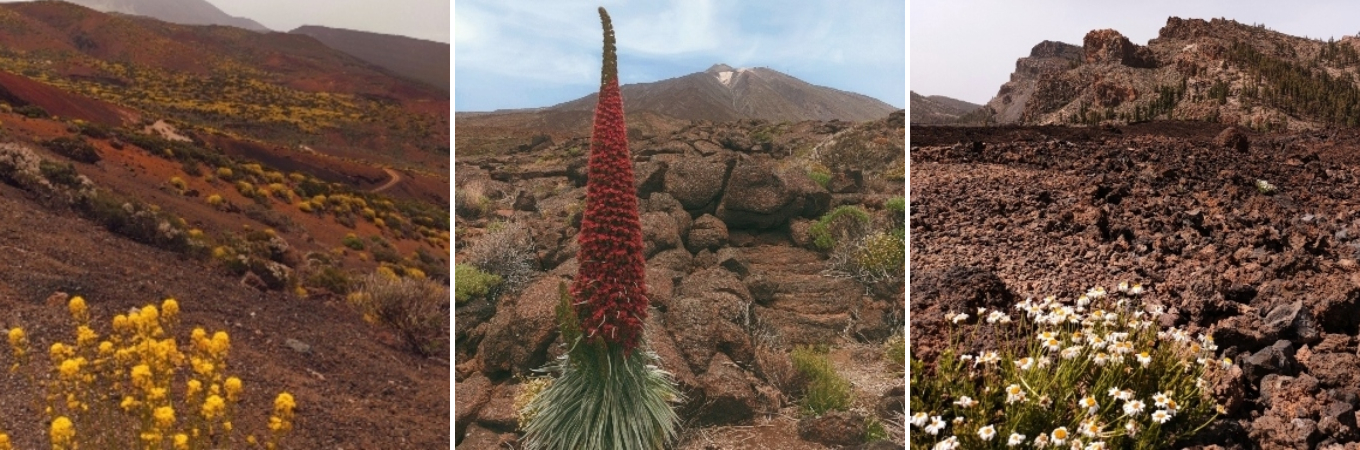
(609, 292)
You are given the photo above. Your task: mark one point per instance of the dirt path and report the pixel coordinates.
(396, 178)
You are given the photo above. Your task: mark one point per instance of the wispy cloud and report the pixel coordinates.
(552, 48)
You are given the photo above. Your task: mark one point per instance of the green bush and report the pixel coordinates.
(826, 389)
(62, 174)
(822, 178)
(330, 278)
(841, 222)
(32, 112)
(470, 282)
(881, 253)
(353, 242)
(73, 147)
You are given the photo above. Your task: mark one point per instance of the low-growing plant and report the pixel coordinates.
(470, 282)
(821, 178)
(330, 278)
(352, 241)
(826, 390)
(417, 308)
(846, 221)
(895, 351)
(178, 183)
(116, 390)
(1096, 370)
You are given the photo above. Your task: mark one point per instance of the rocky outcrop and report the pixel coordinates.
(719, 206)
(1108, 46)
(759, 195)
(1193, 70)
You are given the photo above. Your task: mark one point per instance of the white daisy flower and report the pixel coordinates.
(1101, 358)
(1041, 441)
(1136, 290)
(1160, 399)
(936, 424)
(1161, 416)
(1071, 352)
(965, 402)
(1133, 407)
(987, 433)
(1090, 428)
(947, 444)
(959, 318)
(919, 419)
(1124, 286)
(1144, 358)
(1060, 436)
(1114, 392)
(989, 358)
(1024, 363)
(1097, 445)
(1015, 439)
(1014, 393)
(1125, 395)
(958, 420)
(1131, 427)
(1090, 404)
(1052, 345)
(996, 316)
(1044, 362)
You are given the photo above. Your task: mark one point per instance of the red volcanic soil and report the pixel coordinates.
(1004, 213)
(18, 91)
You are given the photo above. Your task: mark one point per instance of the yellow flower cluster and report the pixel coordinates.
(118, 388)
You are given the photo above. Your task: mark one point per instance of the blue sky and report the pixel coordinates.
(966, 49)
(515, 54)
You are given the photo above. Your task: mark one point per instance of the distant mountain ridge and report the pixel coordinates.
(938, 109)
(184, 12)
(724, 93)
(416, 59)
(1214, 70)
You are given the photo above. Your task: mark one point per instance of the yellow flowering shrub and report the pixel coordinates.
(119, 390)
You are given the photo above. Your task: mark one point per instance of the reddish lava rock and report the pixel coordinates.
(1057, 210)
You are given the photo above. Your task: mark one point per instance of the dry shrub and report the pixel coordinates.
(507, 252)
(470, 200)
(417, 308)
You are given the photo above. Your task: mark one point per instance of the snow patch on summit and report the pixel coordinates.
(728, 77)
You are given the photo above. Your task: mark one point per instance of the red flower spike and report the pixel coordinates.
(610, 288)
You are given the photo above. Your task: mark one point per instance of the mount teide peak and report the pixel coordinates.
(724, 93)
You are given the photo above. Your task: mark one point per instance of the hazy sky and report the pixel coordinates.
(967, 49)
(423, 19)
(531, 54)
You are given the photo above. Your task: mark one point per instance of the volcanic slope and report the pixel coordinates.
(142, 159)
(276, 87)
(938, 109)
(1012, 212)
(186, 12)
